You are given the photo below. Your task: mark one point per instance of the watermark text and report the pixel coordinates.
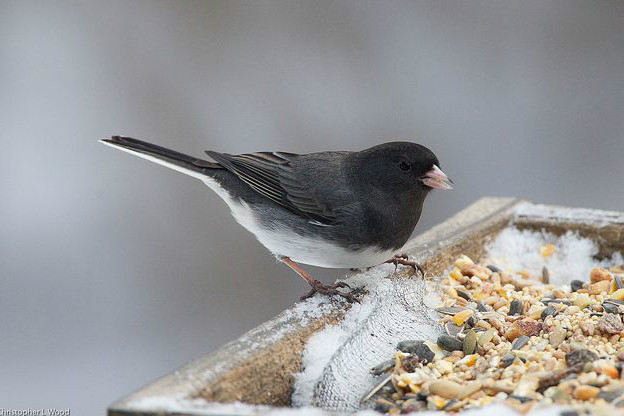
(34, 412)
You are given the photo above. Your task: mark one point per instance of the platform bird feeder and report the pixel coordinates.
(258, 368)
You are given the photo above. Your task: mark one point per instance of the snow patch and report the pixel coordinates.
(323, 345)
(573, 258)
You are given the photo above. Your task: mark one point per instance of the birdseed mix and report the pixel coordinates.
(512, 337)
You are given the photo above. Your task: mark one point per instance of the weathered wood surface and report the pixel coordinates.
(258, 367)
(604, 227)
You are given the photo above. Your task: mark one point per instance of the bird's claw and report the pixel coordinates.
(332, 290)
(405, 261)
(341, 284)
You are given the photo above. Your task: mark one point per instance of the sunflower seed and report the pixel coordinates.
(493, 268)
(547, 301)
(449, 343)
(507, 360)
(452, 329)
(463, 294)
(549, 311)
(576, 285)
(610, 308)
(545, 275)
(515, 308)
(519, 342)
(470, 342)
(417, 348)
(449, 310)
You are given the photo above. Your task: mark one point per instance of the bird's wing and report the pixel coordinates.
(271, 175)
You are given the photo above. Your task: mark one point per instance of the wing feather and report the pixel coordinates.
(271, 175)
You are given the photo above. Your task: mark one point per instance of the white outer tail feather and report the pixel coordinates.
(154, 159)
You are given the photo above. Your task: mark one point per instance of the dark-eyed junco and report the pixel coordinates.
(328, 209)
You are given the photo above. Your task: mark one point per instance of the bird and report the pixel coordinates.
(333, 209)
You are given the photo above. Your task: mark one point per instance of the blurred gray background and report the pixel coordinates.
(114, 271)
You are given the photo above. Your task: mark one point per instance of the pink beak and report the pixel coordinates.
(437, 179)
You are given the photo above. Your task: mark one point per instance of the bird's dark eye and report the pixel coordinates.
(405, 166)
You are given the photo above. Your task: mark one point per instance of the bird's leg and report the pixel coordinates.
(405, 261)
(318, 287)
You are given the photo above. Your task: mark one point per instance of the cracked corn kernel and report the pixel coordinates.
(618, 294)
(456, 274)
(438, 402)
(586, 392)
(548, 250)
(609, 371)
(479, 296)
(415, 388)
(503, 293)
(460, 317)
(614, 287)
(469, 360)
(463, 260)
(524, 273)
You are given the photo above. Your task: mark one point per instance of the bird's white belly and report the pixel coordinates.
(315, 251)
(306, 250)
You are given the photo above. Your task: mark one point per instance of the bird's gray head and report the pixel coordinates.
(401, 167)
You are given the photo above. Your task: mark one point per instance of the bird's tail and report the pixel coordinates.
(189, 165)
